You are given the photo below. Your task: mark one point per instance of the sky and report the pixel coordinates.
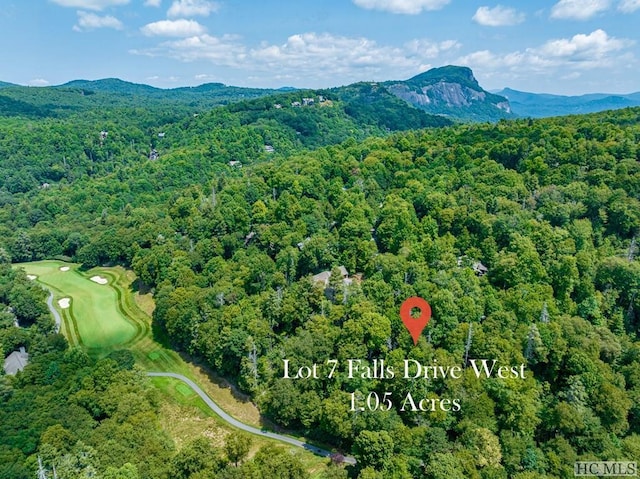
(555, 46)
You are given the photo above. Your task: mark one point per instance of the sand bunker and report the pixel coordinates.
(64, 303)
(64, 268)
(98, 279)
(31, 277)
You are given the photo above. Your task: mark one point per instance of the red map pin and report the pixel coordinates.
(415, 325)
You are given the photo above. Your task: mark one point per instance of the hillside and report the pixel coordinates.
(454, 92)
(450, 91)
(81, 96)
(61, 134)
(242, 205)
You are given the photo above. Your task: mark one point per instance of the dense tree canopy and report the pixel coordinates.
(551, 209)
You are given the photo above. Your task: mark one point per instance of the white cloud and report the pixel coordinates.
(222, 51)
(38, 82)
(579, 9)
(90, 4)
(152, 3)
(629, 6)
(498, 16)
(206, 78)
(578, 53)
(318, 58)
(191, 8)
(91, 21)
(589, 51)
(328, 54)
(408, 7)
(427, 49)
(173, 28)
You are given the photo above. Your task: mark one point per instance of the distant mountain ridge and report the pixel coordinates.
(433, 98)
(115, 85)
(450, 91)
(82, 95)
(539, 105)
(110, 85)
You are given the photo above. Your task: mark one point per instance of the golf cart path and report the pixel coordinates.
(240, 425)
(217, 409)
(54, 311)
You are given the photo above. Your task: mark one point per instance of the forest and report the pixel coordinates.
(228, 235)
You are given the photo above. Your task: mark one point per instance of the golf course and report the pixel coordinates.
(99, 312)
(93, 315)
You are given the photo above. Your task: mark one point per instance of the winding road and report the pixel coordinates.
(240, 425)
(217, 409)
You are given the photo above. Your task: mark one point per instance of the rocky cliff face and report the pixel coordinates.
(453, 92)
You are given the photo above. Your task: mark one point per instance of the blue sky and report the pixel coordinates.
(555, 46)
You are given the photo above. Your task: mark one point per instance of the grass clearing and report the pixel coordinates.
(186, 418)
(184, 390)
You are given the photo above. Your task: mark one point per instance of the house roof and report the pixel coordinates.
(324, 276)
(16, 361)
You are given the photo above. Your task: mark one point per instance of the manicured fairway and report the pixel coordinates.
(93, 319)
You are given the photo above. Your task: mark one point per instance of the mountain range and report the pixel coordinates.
(450, 91)
(538, 105)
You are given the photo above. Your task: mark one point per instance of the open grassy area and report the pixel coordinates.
(186, 417)
(116, 315)
(94, 319)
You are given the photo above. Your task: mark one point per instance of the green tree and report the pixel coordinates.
(373, 449)
(196, 456)
(396, 224)
(273, 462)
(237, 446)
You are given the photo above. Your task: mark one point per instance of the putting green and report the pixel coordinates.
(94, 319)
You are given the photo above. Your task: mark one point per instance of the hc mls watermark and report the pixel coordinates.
(605, 469)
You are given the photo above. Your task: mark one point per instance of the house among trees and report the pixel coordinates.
(478, 268)
(324, 276)
(303, 242)
(16, 361)
(249, 237)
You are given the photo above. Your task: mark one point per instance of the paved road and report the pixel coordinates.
(217, 409)
(54, 311)
(250, 429)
